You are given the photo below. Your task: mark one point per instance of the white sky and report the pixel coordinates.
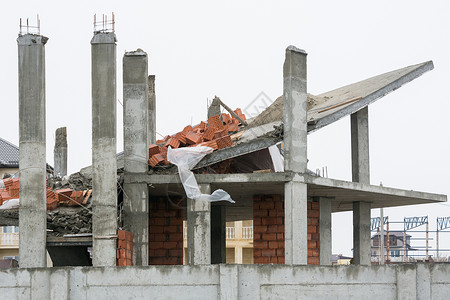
(199, 49)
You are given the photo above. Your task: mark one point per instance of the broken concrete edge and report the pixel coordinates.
(104, 38)
(137, 52)
(295, 49)
(31, 39)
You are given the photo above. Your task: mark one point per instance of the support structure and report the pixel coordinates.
(218, 234)
(295, 154)
(32, 164)
(104, 164)
(135, 131)
(361, 173)
(199, 229)
(325, 249)
(60, 152)
(151, 110)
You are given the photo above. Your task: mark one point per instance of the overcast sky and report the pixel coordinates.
(198, 49)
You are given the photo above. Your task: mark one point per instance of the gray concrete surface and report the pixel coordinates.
(361, 233)
(411, 281)
(218, 234)
(60, 152)
(199, 229)
(104, 165)
(325, 245)
(135, 135)
(32, 142)
(359, 124)
(295, 154)
(151, 110)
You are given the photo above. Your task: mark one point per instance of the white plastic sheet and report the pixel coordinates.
(10, 204)
(185, 159)
(277, 159)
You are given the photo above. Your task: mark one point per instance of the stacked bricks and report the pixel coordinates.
(268, 226)
(165, 232)
(124, 248)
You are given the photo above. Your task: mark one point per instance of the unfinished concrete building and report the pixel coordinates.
(291, 208)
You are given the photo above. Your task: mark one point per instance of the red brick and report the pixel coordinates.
(232, 127)
(311, 244)
(170, 245)
(260, 228)
(215, 122)
(157, 245)
(176, 252)
(121, 235)
(226, 118)
(260, 245)
(314, 237)
(193, 138)
(280, 213)
(121, 244)
(315, 205)
(261, 260)
(187, 129)
(279, 206)
(181, 136)
(269, 221)
(260, 213)
(256, 221)
(172, 142)
(220, 133)
(313, 213)
(257, 252)
(158, 252)
(171, 229)
(272, 213)
(273, 228)
(157, 221)
(122, 262)
(257, 198)
(313, 260)
(280, 252)
(269, 236)
(280, 220)
(281, 260)
(224, 142)
(157, 237)
(51, 204)
(280, 236)
(312, 229)
(267, 205)
(268, 252)
(208, 135)
(273, 244)
(153, 149)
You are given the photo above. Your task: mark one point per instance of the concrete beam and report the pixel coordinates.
(199, 229)
(60, 152)
(104, 165)
(32, 142)
(151, 110)
(325, 245)
(295, 154)
(218, 234)
(135, 131)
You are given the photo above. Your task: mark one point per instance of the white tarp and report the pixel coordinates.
(185, 159)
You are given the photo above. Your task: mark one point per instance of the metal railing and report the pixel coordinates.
(9, 239)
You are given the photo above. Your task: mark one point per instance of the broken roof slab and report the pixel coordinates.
(242, 187)
(323, 110)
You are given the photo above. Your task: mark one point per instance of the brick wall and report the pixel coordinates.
(124, 248)
(165, 232)
(268, 226)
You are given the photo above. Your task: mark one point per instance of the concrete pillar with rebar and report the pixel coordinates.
(295, 155)
(135, 107)
(32, 142)
(104, 163)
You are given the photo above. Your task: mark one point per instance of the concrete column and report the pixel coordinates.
(361, 173)
(360, 146)
(60, 152)
(218, 234)
(295, 154)
(199, 229)
(32, 163)
(135, 127)
(325, 231)
(361, 233)
(104, 163)
(151, 110)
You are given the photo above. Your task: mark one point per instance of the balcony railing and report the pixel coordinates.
(9, 240)
(247, 233)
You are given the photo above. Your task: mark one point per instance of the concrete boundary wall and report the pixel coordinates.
(411, 281)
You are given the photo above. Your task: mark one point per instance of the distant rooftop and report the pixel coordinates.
(9, 154)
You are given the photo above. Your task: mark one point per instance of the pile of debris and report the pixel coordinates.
(9, 190)
(215, 133)
(69, 221)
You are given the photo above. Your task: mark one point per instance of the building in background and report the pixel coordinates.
(398, 251)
